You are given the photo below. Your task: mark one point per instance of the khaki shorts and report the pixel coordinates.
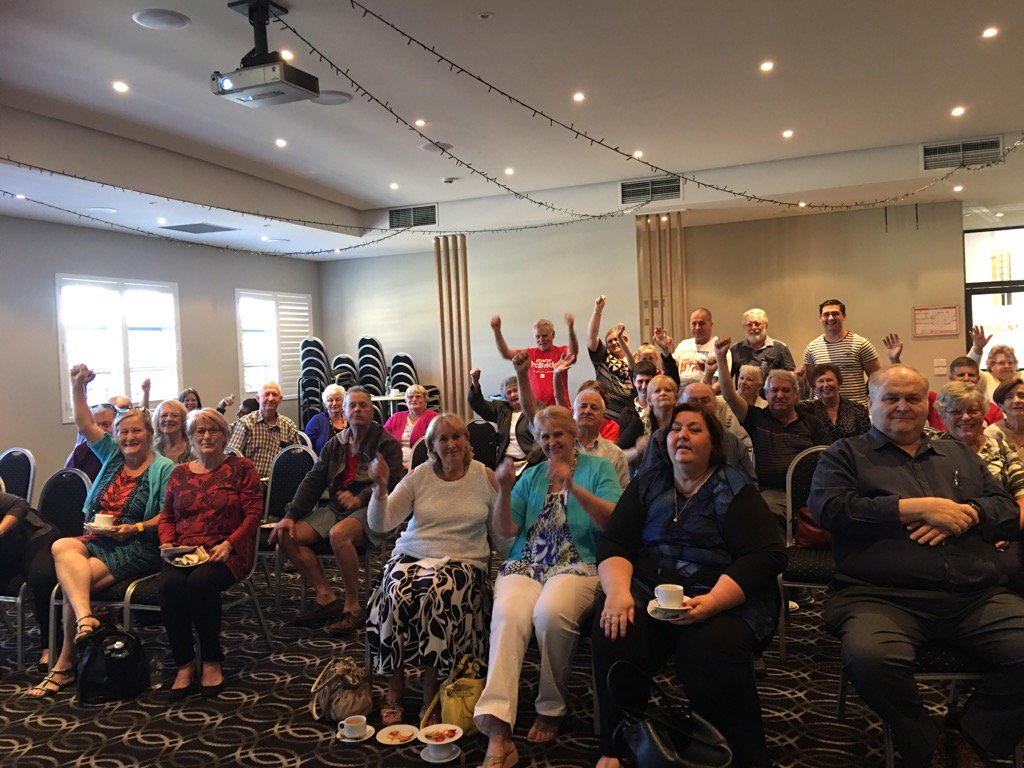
(322, 519)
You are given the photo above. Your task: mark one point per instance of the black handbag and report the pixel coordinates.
(112, 666)
(679, 739)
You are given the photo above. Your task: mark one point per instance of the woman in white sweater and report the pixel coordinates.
(433, 605)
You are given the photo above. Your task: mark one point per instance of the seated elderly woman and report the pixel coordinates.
(749, 384)
(1009, 396)
(326, 424)
(407, 427)
(25, 541)
(189, 397)
(515, 440)
(962, 407)
(693, 521)
(840, 416)
(433, 606)
(130, 487)
(214, 502)
(169, 436)
(549, 580)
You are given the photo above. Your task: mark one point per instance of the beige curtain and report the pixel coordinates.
(661, 270)
(453, 305)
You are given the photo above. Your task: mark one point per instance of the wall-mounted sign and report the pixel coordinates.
(937, 321)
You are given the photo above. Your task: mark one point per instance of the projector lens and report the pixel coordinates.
(226, 84)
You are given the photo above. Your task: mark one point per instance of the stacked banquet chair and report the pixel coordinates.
(433, 397)
(403, 372)
(313, 377)
(60, 504)
(345, 371)
(373, 371)
(18, 472)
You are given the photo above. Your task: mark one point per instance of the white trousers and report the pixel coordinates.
(554, 610)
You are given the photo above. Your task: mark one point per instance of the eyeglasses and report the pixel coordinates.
(201, 431)
(956, 413)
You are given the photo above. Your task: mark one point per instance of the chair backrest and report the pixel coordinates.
(378, 414)
(18, 471)
(229, 451)
(305, 439)
(484, 439)
(419, 453)
(62, 500)
(287, 470)
(798, 484)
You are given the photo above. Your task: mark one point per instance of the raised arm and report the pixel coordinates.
(80, 378)
(574, 343)
(980, 341)
(521, 362)
(594, 326)
(503, 349)
(736, 403)
(561, 380)
(146, 385)
(620, 336)
(893, 348)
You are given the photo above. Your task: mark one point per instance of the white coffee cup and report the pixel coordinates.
(354, 727)
(669, 596)
(103, 521)
(440, 751)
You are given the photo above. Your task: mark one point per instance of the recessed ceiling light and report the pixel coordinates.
(990, 32)
(120, 86)
(281, 143)
(393, 185)
(19, 197)
(1000, 215)
(767, 66)
(958, 188)
(332, 98)
(664, 218)
(101, 209)
(957, 111)
(509, 171)
(287, 55)
(787, 134)
(420, 123)
(161, 18)
(802, 204)
(638, 153)
(161, 221)
(579, 96)
(265, 238)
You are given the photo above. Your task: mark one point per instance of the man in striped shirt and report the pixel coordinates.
(852, 354)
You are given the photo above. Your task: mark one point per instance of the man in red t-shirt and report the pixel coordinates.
(542, 357)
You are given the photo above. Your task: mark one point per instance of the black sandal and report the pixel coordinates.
(84, 630)
(50, 685)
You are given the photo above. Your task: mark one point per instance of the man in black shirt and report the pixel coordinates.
(914, 524)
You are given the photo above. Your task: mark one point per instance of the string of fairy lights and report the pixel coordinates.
(593, 140)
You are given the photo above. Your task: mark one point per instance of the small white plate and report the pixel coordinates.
(453, 731)
(455, 752)
(666, 614)
(385, 735)
(370, 730)
(93, 528)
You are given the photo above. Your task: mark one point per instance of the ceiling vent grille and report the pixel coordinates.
(420, 216)
(646, 190)
(200, 228)
(953, 154)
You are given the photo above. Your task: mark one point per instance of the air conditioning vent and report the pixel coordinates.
(420, 216)
(646, 190)
(200, 228)
(953, 154)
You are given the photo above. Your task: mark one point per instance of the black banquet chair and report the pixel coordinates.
(18, 471)
(286, 472)
(484, 439)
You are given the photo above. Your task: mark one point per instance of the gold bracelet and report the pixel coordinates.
(140, 527)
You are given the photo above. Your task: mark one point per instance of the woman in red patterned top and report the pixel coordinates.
(214, 502)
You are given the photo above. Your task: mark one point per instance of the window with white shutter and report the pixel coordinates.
(270, 328)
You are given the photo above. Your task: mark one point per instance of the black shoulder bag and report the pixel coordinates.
(112, 666)
(679, 738)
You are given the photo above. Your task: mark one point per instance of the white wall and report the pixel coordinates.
(520, 276)
(32, 253)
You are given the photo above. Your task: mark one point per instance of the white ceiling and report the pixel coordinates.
(678, 79)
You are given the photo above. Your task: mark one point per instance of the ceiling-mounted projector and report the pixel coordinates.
(265, 84)
(263, 78)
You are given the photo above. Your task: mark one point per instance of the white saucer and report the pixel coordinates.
(455, 752)
(93, 528)
(655, 611)
(370, 730)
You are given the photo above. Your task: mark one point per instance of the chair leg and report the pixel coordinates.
(259, 614)
(55, 599)
(890, 758)
(783, 620)
(279, 576)
(19, 627)
(841, 698)
(1018, 755)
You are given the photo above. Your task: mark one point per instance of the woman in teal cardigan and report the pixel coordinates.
(130, 488)
(548, 581)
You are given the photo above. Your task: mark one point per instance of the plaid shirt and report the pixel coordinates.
(259, 442)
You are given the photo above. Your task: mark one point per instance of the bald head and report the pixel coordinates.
(898, 398)
(701, 395)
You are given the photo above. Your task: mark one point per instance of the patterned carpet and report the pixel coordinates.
(261, 719)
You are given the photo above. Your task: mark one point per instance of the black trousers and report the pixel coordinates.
(190, 597)
(881, 629)
(714, 661)
(33, 561)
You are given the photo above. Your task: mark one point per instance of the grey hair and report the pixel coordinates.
(779, 373)
(755, 368)
(755, 311)
(332, 389)
(955, 392)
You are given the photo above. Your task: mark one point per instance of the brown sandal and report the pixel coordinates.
(50, 685)
(85, 629)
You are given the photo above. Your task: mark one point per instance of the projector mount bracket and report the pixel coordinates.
(258, 13)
